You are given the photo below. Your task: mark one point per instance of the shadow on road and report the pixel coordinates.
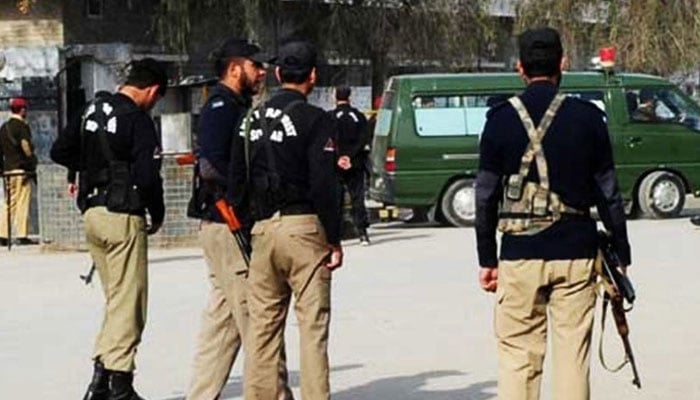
(375, 242)
(165, 260)
(409, 388)
(234, 386)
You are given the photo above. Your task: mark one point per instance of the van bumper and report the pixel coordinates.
(382, 188)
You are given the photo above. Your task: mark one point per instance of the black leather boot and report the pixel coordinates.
(99, 386)
(121, 386)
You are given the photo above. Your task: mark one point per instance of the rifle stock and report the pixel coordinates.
(234, 225)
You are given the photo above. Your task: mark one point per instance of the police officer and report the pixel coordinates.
(545, 159)
(296, 237)
(18, 160)
(117, 154)
(239, 65)
(352, 137)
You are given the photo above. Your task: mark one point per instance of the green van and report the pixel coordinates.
(425, 151)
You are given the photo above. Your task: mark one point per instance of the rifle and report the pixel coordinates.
(226, 212)
(88, 278)
(617, 289)
(234, 225)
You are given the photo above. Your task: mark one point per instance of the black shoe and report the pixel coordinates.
(24, 241)
(99, 387)
(4, 242)
(364, 239)
(121, 386)
(695, 220)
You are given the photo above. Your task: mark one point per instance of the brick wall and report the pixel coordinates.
(61, 224)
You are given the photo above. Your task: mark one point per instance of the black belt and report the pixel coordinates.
(297, 209)
(97, 200)
(564, 215)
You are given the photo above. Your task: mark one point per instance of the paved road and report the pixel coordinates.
(409, 321)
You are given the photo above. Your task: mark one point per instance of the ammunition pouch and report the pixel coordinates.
(536, 210)
(122, 195)
(201, 199)
(531, 207)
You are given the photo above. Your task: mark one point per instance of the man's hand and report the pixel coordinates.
(72, 190)
(344, 163)
(152, 229)
(488, 278)
(335, 260)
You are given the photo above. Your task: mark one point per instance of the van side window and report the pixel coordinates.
(661, 105)
(594, 96)
(453, 115)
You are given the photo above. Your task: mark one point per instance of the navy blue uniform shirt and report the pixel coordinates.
(581, 171)
(217, 126)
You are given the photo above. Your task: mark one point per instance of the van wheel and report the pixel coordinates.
(661, 195)
(458, 203)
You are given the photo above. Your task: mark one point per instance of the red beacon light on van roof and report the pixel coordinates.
(607, 57)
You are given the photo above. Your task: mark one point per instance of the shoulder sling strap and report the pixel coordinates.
(536, 134)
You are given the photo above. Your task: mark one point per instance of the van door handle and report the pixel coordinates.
(634, 141)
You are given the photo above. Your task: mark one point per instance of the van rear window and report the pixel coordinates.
(455, 115)
(386, 112)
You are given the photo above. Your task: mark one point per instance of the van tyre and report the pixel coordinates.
(458, 203)
(661, 194)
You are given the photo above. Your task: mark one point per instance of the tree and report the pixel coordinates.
(447, 34)
(653, 36)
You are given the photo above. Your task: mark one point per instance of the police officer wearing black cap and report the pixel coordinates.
(117, 154)
(239, 64)
(545, 160)
(296, 236)
(353, 135)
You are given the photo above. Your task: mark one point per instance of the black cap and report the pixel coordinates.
(240, 48)
(541, 51)
(297, 55)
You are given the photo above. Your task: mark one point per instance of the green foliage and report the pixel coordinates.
(653, 36)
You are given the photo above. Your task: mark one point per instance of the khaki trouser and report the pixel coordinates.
(527, 290)
(118, 246)
(20, 188)
(288, 252)
(225, 318)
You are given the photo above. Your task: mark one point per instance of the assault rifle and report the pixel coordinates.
(226, 213)
(87, 278)
(234, 225)
(617, 289)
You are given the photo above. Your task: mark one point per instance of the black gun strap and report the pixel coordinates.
(268, 129)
